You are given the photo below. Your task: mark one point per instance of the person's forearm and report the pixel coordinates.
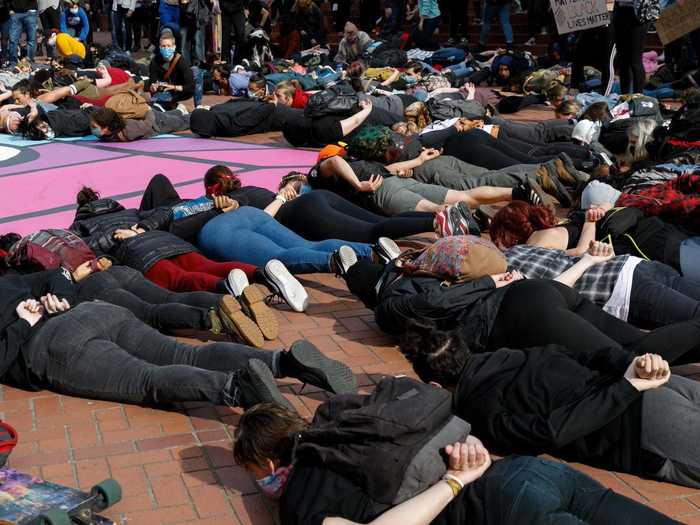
(573, 274)
(350, 124)
(405, 165)
(274, 206)
(419, 510)
(103, 82)
(587, 235)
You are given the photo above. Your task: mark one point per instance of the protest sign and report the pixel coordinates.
(575, 15)
(678, 20)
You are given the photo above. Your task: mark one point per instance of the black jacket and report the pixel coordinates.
(145, 250)
(180, 76)
(472, 306)
(15, 332)
(22, 6)
(234, 118)
(547, 400)
(97, 221)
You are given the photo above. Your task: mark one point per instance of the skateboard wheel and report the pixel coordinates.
(55, 517)
(108, 492)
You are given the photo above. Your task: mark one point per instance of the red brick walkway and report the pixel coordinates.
(176, 466)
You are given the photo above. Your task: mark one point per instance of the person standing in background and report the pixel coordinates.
(491, 7)
(232, 21)
(122, 10)
(74, 21)
(50, 19)
(429, 21)
(631, 21)
(23, 18)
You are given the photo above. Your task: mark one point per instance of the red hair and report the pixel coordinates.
(513, 224)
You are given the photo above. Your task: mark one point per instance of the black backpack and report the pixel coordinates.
(388, 56)
(445, 107)
(388, 443)
(335, 100)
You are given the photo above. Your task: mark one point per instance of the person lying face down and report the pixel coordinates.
(473, 486)
(603, 407)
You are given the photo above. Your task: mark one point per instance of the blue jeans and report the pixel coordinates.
(198, 75)
(187, 34)
(661, 296)
(690, 255)
(22, 22)
(251, 235)
(503, 11)
(533, 490)
(121, 29)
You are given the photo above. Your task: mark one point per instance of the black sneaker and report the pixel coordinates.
(342, 260)
(471, 226)
(253, 385)
(387, 249)
(285, 285)
(530, 192)
(305, 362)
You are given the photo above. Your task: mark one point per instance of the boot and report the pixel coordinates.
(305, 362)
(252, 385)
(547, 178)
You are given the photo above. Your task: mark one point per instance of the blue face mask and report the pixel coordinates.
(272, 485)
(305, 188)
(167, 53)
(96, 131)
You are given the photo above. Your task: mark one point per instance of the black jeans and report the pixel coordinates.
(531, 490)
(594, 48)
(233, 22)
(320, 215)
(630, 34)
(553, 130)
(50, 19)
(660, 296)
(159, 192)
(155, 306)
(537, 312)
(102, 351)
(481, 149)
(362, 279)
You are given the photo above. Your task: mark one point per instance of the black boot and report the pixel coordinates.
(305, 362)
(252, 385)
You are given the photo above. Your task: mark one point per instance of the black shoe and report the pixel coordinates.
(472, 226)
(305, 362)
(386, 249)
(342, 260)
(529, 191)
(253, 385)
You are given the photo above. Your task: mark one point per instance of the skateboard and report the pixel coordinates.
(29, 500)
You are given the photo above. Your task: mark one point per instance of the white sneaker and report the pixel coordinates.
(286, 285)
(182, 109)
(236, 282)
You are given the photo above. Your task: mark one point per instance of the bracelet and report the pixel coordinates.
(280, 198)
(454, 485)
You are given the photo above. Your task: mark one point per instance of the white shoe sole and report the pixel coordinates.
(287, 285)
(389, 247)
(348, 258)
(237, 282)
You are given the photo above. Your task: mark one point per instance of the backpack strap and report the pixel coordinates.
(171, 67)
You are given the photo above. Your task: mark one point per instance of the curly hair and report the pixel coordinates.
(436, 355)
(418, 114)
(86, 195)
(108, 118)
(514, 223)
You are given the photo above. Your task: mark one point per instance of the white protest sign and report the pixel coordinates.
(575, 15)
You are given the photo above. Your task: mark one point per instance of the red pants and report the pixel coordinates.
(192, 272)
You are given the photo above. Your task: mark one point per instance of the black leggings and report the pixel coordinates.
(320, 215)
(535, 313)
(630, 34)
(481, 149)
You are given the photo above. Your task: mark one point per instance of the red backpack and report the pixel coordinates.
(8, 440)
(50, 249)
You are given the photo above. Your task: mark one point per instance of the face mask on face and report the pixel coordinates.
(305, 188)
(273, 485)
(96, 131)
(167, 53)
(74, 10)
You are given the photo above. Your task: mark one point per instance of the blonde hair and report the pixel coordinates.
(417, 114)
(643, 129)
(287, 87)
(568, 107)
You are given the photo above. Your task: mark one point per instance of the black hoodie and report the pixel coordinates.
(15, 332)
(547, 400)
